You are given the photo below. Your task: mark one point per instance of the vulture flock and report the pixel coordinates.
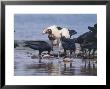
(63, 37)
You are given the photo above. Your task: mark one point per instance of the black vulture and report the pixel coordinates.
(72, 32)
(88, 40)
(68, 44)
(39, 45)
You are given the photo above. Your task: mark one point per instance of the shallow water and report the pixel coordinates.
(26, 63)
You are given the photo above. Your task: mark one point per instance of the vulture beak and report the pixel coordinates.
(44, 31)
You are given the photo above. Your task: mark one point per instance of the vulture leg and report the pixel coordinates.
(89, 53)
(48, 51)
(40, 56)
(89, 56)
(40, 53)
(52, 44)
(93, 53)
(65, 52)
(70, 53)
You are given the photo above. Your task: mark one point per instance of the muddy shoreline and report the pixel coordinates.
(26, 63)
